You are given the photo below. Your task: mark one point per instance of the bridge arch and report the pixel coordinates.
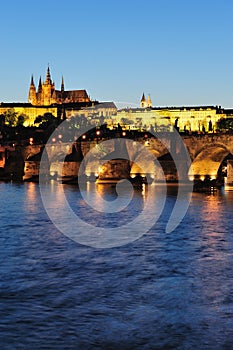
(207, 161)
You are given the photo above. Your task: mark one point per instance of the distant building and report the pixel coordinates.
(185, 118)
(47, 95)
(145, 103)
(28, 111)
(47, 99)
(96, 114)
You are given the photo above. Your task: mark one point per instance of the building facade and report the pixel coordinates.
(185, 119)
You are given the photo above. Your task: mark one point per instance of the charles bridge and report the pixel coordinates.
(206, 151)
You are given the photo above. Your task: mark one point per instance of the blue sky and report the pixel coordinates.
(181, 52)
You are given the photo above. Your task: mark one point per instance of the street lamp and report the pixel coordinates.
(97, 134)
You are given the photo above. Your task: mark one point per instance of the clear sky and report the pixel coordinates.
(179, 51)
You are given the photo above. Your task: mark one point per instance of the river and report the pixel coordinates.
(162, 291)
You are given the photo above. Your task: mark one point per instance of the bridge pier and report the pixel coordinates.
(229, 179)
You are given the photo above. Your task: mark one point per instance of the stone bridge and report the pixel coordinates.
(206, 151)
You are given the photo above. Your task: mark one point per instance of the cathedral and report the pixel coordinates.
(47, 95)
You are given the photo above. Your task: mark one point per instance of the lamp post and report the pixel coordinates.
(97, 135)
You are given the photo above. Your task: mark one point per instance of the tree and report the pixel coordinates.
(225, 124)
(48, 120)
(2, 119)
(21, 119)
(11, 117)
(78, 122)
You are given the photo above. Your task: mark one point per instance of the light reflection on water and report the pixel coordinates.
(163, 291)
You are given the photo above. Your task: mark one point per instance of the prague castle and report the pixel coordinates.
(184, 118)
(47, 95)
(47, 99)
(68, 103)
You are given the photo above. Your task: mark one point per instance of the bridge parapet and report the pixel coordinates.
(197, 143)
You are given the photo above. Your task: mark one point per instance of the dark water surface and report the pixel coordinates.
(163, 291)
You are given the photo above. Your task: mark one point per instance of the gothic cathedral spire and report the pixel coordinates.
(48, 77)
(40, 85)
(32, 81)
(32, 93)
(62, 85)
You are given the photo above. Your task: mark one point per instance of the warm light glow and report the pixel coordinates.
(53, 139)
(31, 140)
(84, 137)
(98, 132)
(202, 178)
(123, 133)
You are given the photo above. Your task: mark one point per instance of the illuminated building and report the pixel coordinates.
(47, 95)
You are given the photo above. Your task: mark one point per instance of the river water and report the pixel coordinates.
(162, 291)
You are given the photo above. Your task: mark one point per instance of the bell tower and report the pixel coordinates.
(143, 103)
(46, 89)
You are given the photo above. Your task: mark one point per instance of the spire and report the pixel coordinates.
(62, 84)
(32, 81)
(149, 102)
(40, 86)
(143, 102)
(32, 93)
(143, 98)
(48, 76)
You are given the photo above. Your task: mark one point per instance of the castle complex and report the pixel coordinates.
(68, 103)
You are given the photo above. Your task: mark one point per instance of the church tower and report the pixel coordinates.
(32, 93)
(143, 103)
(149, 102)
(47, 89)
